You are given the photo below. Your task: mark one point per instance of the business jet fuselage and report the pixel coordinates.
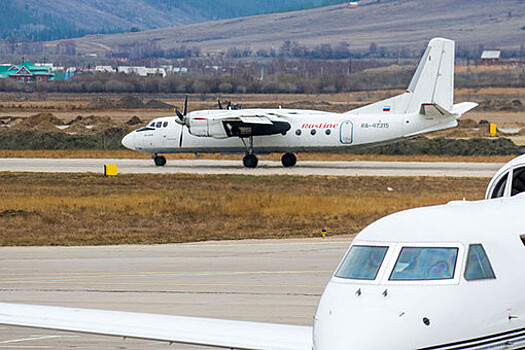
(426, 106)
(444, 277)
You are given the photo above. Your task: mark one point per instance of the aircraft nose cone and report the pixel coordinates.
(129, 140)
(361, 329)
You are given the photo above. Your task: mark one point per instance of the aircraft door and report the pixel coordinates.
(346, 132)
(162, 133)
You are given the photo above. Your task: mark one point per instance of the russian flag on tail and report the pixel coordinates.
(386, 109)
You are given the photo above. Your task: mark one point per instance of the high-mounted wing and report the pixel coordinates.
(177, 329)
(237, 124)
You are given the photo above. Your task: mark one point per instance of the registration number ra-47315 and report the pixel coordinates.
(378, 125)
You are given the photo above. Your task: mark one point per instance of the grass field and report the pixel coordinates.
(87, 209)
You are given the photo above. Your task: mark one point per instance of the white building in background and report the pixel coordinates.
(491, 55)
(159, 72)
(142, 71)
(170, 69)
(105, 69)
(139, 70)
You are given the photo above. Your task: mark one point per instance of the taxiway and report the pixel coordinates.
(205, 166)
(263, 280)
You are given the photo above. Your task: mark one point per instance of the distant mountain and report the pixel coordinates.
(58, 19)
(388, 23)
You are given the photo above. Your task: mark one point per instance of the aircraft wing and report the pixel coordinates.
(255, 120)
(244, 124)
(177, 329)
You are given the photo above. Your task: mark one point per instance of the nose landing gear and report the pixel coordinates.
(250, 160)
(159, 160)
(288, 160)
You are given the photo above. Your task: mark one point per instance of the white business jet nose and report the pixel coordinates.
(129, 140)
(364, 328)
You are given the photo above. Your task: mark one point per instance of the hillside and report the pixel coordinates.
(51, 19)
(390, 23)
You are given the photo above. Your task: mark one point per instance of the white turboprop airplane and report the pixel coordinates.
(427, 105)
(443, 277)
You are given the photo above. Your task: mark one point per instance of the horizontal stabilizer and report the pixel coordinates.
(432, 110)
(177, 329)
(463, 107)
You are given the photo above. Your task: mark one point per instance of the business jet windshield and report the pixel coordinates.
(422, 263)
(413, 263)
(478, 264)
(362, 263)
(509, 180)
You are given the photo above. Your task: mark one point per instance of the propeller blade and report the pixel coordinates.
(179, 114)
(181, 132)
(185, 111)
(219, 103)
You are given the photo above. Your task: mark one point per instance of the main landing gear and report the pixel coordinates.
(159, 160)
(288, 160)
(250, 161)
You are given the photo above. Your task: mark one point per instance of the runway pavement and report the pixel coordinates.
(304, 168)
(266, 280)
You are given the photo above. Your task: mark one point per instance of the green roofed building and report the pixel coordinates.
(26, 72)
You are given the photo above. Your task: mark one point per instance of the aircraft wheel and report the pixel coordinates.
(250, 161)
(159, 160)
(289, 159)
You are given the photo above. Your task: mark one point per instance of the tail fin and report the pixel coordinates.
(432, 83)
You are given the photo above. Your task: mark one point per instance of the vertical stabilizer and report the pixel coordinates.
(433, 81)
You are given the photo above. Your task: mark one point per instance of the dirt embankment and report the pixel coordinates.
(127, 102)
(46, 131)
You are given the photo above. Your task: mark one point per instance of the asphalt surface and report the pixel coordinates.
(204, 166)
(265, 280)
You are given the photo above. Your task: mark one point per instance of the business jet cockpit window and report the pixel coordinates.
(499, 189)
(152, 125)
(478, 264)
(362, 262)
(518, 181)
(425, 263)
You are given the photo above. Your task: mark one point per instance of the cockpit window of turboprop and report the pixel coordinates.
(425, 263)
(362, 262)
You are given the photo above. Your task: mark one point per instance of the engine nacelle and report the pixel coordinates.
(204, 127)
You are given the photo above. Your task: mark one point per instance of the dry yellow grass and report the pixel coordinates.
(126, 154)
(81, 209)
